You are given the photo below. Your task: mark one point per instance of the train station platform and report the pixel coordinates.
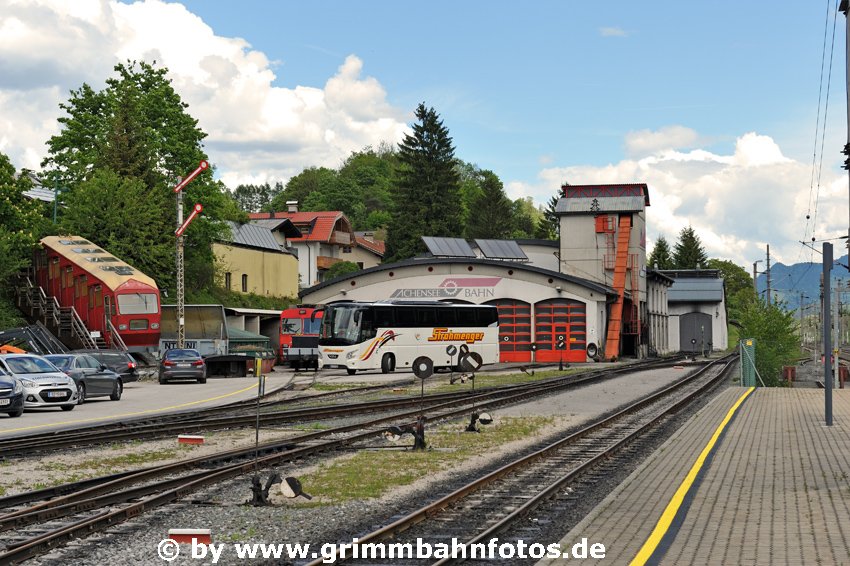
(774, 489)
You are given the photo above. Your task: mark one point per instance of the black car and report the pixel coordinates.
(182, 364)
(93, 378)
(120, 362)
(11, 395)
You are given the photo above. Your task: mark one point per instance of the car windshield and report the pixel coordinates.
(29, 365)
(62, 362)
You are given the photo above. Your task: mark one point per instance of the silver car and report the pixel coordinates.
(44, 385)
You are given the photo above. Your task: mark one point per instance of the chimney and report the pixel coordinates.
(292, 206)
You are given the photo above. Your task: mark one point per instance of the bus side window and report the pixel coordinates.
(426, 317)
(446, 317)
(406, 317)
(384, 317)
(368, 330)
(466, 317)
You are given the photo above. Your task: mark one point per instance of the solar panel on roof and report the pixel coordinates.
(501, 249)
(448, 247)
(120, 269)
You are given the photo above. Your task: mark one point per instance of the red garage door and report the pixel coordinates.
(560, 320)
(514, 330)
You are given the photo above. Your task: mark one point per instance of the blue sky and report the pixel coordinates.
(712, 104)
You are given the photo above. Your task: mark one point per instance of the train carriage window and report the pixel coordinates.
(137, 303)
(80, 288)
(98, 296)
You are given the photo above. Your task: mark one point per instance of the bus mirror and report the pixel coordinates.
(314, 313)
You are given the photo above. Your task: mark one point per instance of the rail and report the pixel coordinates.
(115, 339)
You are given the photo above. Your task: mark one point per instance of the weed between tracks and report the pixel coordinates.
(371, 474)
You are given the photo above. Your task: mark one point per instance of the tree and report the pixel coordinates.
(660, 257)
(550, 227)
(688, 252)
(526, 218)
(254, 198)
(777, 345)
(738, 284)
(134, 216)
(21, 221)
(369, 175)
(427, 191)
(339, 269)
(299, 187)
(137, 127)
(491, 211)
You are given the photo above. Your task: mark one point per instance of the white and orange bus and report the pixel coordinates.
(387, 335)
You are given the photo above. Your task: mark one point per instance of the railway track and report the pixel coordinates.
(34, 522)
(242, 414)
(492, 504)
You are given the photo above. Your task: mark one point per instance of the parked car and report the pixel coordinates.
(11, 395)
(93, 378)
(120, 362)
(44, 385)
(182, 364)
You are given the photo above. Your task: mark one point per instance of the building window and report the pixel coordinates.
(244, 283)
(360, 264)
(346, 249)
(227, 281)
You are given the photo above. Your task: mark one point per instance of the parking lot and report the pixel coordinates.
(140, 399)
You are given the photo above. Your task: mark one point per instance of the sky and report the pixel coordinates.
(720, 107)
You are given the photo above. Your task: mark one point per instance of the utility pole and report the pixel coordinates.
(755, 273)
(844, 7)
(767, 271)
(802, 339)
(827, 334)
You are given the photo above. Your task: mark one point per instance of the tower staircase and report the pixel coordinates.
(615, 322)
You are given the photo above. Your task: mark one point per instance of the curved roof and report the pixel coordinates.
(592, 285)
(97, 261)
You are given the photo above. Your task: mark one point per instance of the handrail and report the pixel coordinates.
(115, 338)
(78, 328)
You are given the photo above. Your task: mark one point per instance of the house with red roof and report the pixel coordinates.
(327, 237)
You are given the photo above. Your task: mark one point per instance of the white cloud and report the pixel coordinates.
(257, 131)
(647, 142)
(612, 32)
(737, 203)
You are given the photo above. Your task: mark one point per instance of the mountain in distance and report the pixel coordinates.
(789, 281)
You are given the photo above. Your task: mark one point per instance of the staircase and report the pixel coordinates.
(615, 322)
(64, 322)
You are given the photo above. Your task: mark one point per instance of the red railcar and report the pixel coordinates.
(299, 337)
(102, 289)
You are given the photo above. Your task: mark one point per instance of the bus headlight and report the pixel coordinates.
(350, 355)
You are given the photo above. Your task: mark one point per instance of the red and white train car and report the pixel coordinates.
(101, 287)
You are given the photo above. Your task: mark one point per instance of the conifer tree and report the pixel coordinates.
(427, 191)
(688, 252)
(491, 211)
(660, 257)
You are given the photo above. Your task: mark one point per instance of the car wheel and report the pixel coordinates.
(387, 363)
(162, 381)
(202, 380)
(68, 407)
(117, 391)
(351, 371)
(81, 393)
(17, 413)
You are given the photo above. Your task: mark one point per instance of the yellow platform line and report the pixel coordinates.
(675, 504)
(124, 415)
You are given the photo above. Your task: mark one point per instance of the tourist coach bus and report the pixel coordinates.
(390, 334)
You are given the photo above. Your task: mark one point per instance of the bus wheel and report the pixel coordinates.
(351, 371)
(388, 363)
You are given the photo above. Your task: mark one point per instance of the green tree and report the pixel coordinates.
(21, 221)
(427, 192)
(777, 344)
(688, 252)
(738, 284)
(139, 128)
(369, 174)
(660, 257)
(491, 212)
(301, 186)
(339, 269)
(135, 215)
(550, 227)
(526, 219)
(254, 198)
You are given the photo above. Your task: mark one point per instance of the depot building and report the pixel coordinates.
(544, 315)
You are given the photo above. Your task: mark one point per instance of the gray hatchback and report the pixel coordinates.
(182, 364)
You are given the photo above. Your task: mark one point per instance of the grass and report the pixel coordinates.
(335, 386)
(371, 474)
(488, 380)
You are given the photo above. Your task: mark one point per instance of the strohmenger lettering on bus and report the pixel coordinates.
(445, 335)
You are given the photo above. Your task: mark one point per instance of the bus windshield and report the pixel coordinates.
(342, 325)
